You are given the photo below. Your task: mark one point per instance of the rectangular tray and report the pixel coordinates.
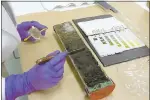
(85, 64)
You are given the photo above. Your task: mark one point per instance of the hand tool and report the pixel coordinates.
(47, 58)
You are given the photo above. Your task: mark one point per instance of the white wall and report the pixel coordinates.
(21, 8)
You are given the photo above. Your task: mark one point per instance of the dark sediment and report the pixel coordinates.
(86, 64)
(88, 68)
(69, 36)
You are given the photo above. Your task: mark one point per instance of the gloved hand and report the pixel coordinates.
(40, 77)
(24, 27)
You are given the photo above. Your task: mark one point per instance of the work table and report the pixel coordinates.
(70, 87)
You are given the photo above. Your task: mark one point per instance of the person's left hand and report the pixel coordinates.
(24, 27)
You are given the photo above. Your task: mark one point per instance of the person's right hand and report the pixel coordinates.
(40, 77)
(49, 74)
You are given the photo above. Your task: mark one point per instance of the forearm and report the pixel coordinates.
(17, 85)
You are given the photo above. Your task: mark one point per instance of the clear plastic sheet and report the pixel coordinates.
(135, 76)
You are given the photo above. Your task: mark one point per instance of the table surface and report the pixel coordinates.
(70, 87)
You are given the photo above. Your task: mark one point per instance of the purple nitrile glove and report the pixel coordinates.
(40, 77)
(24, 27)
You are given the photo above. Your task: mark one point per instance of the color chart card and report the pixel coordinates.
(110, 39)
